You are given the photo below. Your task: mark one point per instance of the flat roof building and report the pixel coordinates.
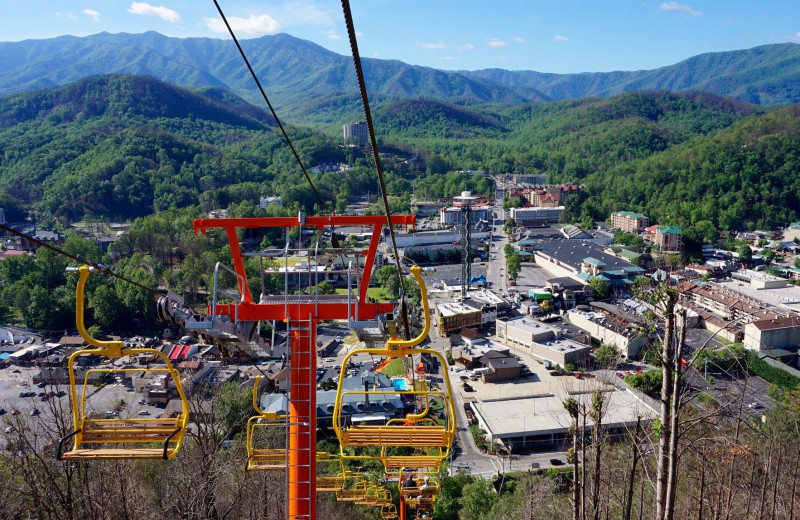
(542, 420)
(541, 340)
(454, 316)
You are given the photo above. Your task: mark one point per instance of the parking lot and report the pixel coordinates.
(19, 380)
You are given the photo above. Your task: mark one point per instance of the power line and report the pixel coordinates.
(351, 33)
(272, 110)
(100, 267)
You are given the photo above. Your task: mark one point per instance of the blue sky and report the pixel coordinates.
(560, 36)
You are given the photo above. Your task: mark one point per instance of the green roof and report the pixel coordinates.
(629, 214)
(594, 261)
(629, 255)
(527, 242)
(674, 230)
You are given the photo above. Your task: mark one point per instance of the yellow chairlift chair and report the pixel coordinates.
(266, 438)
(354, 492)
(332, 479)
(415, 430)
(389, 512)
(110, 437)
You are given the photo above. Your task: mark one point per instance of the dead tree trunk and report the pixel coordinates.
(627, 509)
(675, 408)
(667, 372)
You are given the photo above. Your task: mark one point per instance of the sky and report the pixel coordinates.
(558, 36)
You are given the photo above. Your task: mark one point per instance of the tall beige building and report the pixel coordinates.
(629, 221)
(356, 134)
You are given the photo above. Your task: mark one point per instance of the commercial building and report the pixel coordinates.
(668, 239)
(725, 303)
(268, 201)
(583, 260)
(529, 178)
(356, 134)
(629, 221)
(771, 334)
(541, 340)
(426, 238)
(453, 316)
(542, 421)
(535, 216)
(454, 215)
(611, 329)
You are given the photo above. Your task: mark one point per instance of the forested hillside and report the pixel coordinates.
(124, 146)
(120, 147)
(302, 77)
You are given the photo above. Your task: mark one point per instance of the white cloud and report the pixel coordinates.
(519, 40)
(165, 13)
(331, 34)
(495, 43)
(72, 16)
(502, 57)
(466, 47)
(675, 6)
(448, 58)
(91, 13)
(253, 24)
(560, 38)
(431, 46)
(306, 13)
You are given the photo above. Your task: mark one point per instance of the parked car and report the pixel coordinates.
(34, 412)
(15, 412)
(144, 412)
(556, 462)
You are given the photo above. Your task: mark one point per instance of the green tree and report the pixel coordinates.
(745, 253)
(600, 288)
(508, 226)
(326, 288)
(513, 264)
(606, 356)
(477, 500)
(41, 310)
(233, 406)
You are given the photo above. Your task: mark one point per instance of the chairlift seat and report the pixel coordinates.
(166, 432)
(417, 436)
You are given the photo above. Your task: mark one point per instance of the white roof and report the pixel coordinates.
(545, 414)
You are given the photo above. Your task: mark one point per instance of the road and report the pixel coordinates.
(496, 268)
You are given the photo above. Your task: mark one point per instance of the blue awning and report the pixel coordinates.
(4, 356)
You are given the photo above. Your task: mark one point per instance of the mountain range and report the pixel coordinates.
(314, 85)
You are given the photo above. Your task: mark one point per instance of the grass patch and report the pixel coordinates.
(394, 368)
(293, 260)
(705, 399)
(372, 292)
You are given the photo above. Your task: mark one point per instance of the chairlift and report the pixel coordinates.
(415, 430)
(116, 437)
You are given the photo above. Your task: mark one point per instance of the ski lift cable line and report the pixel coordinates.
(272, 110)
(351, 33)
(99, 267)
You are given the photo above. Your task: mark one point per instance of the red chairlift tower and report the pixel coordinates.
(301, 313)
